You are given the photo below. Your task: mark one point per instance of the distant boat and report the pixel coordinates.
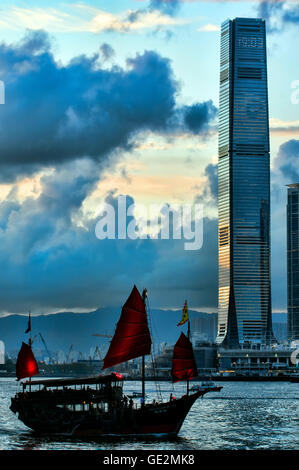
(209, 386)
(135, 395)
(96, 406)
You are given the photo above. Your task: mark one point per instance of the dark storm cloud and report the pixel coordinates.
(287, 160)
(211, 171)
(72, 118)
(55, 113)
(279, 14)
(107, 51)
(197, 116)
(208, 194)
(169, 7)
(48, 262)
(192, 274)
(165, 7)
(292, 15)
(285, 171)
(42, 224)
(268, 8)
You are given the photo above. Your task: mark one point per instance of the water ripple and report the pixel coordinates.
(244, 415)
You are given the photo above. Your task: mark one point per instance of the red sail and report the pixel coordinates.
(132, 337)
(183, 362)
(26, 363)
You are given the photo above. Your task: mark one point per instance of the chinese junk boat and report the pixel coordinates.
(96, 406)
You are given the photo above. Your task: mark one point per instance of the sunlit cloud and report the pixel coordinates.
(286, 128)
(50, 19)
(83, 18)
(182, 142)
(29, 187)
(209, 28)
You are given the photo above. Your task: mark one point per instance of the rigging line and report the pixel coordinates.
(158, 389)
(154, 328)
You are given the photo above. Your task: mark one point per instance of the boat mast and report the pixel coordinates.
(143, 378)
(188, 336)
(30, 344)
(144, 296)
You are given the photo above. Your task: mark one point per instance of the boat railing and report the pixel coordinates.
(73, 395)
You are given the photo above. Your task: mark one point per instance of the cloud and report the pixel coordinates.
(211, 171)
(50, 262)
(131, 21)
(198, 115)
(207, 192)
(287, 160)
(65, 123)
(107, 51)
(284, 171)
(209, 28)
(281, 127)
(279, 14)
(55, 113)
(83, 18)
(158, 14)
(169, 7)
(34, 18)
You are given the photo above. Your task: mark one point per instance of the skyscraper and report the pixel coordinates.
(244, 304)
(293, 261)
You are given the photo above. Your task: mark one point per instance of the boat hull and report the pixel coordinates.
(210, 389)
(163, 419)
(215, 389)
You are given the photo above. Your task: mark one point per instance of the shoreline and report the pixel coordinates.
(288, 378)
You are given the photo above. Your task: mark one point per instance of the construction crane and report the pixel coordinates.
(46, 348)
(49, 354)
(69, 352)
(97, 353)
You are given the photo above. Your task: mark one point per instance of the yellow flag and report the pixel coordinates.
(185, 316)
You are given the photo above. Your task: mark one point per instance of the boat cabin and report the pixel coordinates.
(77, 394)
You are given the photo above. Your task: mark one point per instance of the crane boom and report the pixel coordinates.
(68, 354)
(46, 348)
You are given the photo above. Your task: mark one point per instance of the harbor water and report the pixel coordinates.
(243, 416)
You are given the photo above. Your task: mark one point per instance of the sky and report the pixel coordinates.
(121, 98)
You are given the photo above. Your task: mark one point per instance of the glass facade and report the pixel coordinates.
(293, 261)
(244, 304)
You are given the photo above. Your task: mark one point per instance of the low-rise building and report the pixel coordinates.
(259, 360)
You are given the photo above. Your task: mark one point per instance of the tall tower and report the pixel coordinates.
(244, 304)
(293, 261)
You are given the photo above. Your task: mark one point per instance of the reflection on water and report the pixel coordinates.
(244, 415)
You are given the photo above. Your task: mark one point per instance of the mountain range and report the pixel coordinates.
(61, 330)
